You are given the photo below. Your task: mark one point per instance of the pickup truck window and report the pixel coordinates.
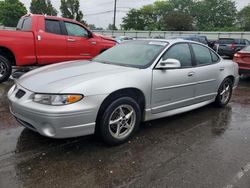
(76, 30)
(25, 24)
(53, 26)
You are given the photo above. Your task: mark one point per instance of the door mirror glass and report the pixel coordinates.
(169, 64)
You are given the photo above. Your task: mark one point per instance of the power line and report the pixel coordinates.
(105, 12)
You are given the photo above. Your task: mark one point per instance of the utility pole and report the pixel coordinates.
(114, 15)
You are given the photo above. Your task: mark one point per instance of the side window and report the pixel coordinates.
(215, 57)
(246, 42)
(27, 24)
(242, 42)
(180, 52)
(202, 54)
(76, 30)
(53, 26)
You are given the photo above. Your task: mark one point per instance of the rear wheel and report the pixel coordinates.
(120, 121)
(5, 69)
(224, 93)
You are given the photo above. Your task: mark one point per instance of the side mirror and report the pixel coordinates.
(169, 64)
(90, 35)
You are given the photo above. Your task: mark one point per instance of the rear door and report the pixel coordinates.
(207, 72)
(80, 45)
(52, 46)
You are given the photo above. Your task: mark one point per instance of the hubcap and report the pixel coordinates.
(225, 93)
(122, 121)
(3, 69)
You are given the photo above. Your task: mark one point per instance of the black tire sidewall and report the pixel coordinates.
(218, 101)
(104, 123)
(9, 69)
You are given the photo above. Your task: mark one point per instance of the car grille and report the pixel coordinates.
(20, 93)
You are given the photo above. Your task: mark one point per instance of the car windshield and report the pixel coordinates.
(247, 49)
(138, 54)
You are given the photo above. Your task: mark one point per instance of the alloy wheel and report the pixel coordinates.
(122, 121)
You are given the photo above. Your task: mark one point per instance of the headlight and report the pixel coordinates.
(57, 100)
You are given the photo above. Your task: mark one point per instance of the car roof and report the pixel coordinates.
(170, 41)
(52, 17)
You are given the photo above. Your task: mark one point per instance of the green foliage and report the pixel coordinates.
(71, 9)
(10, 12)
(111, 27)
(42, 7)
(244, 18)
(133, 20)
(178, 21)
(215, 14)
(183, 15)
(93, 27)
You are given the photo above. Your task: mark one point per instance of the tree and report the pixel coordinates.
(111, 27)
(71, 9)
(42, 7)
(198, 14)
(214, 14)
(133, 20)
(11, 11)
(244, 18)
(178, 21)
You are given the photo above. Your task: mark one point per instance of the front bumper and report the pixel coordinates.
(67, 121)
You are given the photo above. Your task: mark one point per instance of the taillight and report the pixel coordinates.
(237, 55)
(233, 46)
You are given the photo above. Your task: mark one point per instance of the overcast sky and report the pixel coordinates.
(100, 12)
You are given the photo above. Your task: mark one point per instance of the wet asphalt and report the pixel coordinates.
(207, 147)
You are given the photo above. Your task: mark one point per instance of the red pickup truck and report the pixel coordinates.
(40, 40)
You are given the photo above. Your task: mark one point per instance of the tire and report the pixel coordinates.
(224, 93)
(5, 69)
(119, 121)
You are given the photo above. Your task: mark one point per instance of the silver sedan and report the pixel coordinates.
(136, 81)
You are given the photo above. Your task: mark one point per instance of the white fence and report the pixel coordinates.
(170, 34)
(6, 28)
(167, 34)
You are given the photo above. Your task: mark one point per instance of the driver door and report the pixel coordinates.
(174, 88)
(79, 44)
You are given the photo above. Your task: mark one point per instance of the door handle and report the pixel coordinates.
(191, 74)
(39, 37)
(222, 68)
(71, 40)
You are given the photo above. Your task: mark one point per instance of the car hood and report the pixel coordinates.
(105, 37)
(55, 78)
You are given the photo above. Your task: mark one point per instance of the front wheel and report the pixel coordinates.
(5, 69)
(120, 121)
(224, 93)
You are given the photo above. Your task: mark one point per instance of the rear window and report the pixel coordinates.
(25, 24)
(53, 26)
(226, 41)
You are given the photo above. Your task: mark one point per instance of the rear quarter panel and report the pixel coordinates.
(21, 44)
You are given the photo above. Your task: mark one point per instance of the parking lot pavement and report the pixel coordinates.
(208, 147)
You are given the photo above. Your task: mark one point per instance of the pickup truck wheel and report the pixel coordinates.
(5, 69)
(120, 121)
